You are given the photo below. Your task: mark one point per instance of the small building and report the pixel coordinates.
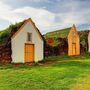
(26, 43)
(73, 42)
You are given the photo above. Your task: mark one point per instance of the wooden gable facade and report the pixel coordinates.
(73, 42)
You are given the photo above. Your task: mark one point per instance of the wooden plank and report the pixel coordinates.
(29, 52)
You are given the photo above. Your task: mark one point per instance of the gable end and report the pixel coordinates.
(25, 22)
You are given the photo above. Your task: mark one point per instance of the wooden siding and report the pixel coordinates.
(29, 52)
(73, 42)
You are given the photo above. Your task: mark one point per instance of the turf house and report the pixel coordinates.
(21, 43)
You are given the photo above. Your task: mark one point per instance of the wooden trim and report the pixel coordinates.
(29, 43)
(24, 53)
(37, 30)
(33, 51)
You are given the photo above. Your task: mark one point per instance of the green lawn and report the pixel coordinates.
(84, 56)
(58, 76)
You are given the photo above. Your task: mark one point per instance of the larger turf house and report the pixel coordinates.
(21, 43)
(67, 41)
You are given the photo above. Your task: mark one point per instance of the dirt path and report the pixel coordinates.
(47, 62)
(51, 61)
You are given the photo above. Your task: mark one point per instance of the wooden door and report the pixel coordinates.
(74, 49)
(29, 52)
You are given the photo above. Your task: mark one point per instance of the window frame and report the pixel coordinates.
(28, 33)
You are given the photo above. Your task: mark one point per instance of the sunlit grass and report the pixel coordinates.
(59, 76)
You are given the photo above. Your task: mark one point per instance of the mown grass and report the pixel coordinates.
(58, 76)
(66, 57)
(82, 84)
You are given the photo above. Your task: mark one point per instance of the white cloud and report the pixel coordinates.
(6, 13)
(43, 18)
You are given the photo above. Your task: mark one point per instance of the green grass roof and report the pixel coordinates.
(58, 33)
(4, 34)
(63, 33)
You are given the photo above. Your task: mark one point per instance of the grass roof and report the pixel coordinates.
(58, 33)
(63, 33)
(4, 34)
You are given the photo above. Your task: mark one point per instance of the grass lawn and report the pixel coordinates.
(58, 76)
(65, 57)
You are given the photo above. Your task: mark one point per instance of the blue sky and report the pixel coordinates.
(48, 15)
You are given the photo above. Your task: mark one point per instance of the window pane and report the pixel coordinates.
(29, 36)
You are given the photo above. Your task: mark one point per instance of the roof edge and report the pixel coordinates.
(25, 22)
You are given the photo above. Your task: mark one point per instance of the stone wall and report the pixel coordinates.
(5, 53)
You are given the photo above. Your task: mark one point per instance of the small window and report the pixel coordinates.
(29, 37)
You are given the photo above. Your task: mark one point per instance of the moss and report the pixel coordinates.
(4, 34)
(58, 33)
(63, 33)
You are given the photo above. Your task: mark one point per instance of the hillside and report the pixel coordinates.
(53, 37)
(58, 33)
(63, 33)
